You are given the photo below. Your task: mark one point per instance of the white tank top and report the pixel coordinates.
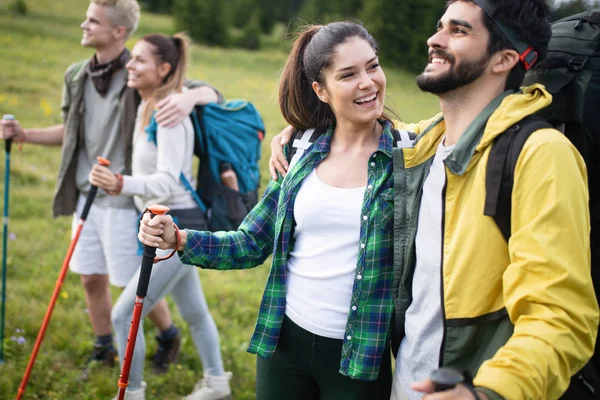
(321, 268)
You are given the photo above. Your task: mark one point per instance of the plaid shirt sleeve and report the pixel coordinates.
(247, 247)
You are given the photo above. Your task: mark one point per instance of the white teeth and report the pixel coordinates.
(366, 99)
(436, 60)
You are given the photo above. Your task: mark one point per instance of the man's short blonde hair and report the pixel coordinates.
(122, 13)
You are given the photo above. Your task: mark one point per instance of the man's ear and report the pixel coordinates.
(504, 61)
(120, 32)
(320, 91)
(164, 69)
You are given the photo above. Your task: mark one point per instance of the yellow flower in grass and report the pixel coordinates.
(46, 107)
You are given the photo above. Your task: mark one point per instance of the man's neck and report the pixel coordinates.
(109, 53)
(461, 106)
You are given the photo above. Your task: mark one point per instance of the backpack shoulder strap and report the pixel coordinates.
(403, 138)
(500, 172)
(74, 70)
(200, 140)
(152, 130)
(302, 140)
(299, 143)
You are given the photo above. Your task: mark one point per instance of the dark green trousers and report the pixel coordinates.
(305, 367)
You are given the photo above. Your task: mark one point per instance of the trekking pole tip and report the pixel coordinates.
(158, 209)
(103, 161)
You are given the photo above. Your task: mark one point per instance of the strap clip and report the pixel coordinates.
(529, 57)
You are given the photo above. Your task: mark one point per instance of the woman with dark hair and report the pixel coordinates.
(324, 322)
(156, 69)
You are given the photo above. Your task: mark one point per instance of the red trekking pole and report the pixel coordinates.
(142, 289)
(59, 283)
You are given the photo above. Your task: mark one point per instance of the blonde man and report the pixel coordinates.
(98, 113)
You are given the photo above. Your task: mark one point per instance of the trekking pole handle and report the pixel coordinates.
(446, 379)
(93, 191)
(8, 142)
(148, 255)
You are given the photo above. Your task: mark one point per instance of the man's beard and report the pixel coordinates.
(456, 77)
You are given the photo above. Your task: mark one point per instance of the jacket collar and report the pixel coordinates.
(458, 160)
(505, 110)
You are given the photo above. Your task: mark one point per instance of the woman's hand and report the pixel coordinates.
(278, 162)
(229, 179)
(103, 178)
(160, 232)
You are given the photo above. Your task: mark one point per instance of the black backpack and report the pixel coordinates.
(571, 73)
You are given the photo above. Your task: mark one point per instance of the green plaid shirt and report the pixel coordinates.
(268, 229)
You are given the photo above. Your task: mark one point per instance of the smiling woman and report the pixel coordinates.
(324, 322)
(156, 69)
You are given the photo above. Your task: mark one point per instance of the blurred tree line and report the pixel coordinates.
(401, 27)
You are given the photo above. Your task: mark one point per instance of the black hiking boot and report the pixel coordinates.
(166, 353)
(105, 355)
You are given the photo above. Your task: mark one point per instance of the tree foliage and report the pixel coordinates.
(205, 21)
(157, 6)
(19, 7)
(251, 35)
(401, 28)
(318, 11)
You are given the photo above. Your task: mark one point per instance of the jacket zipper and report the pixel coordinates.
(443, 344)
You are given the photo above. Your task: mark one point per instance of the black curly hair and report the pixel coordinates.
(529, 19)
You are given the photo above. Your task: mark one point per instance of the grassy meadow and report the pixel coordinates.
(34, 52)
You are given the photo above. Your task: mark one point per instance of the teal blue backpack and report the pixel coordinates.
(228, 136)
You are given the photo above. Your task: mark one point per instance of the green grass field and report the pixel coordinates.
(34, 52)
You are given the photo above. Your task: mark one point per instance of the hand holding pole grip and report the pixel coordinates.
(93, 191)
(142, 289)
(148, 255)
(446, 379)
(8, 142)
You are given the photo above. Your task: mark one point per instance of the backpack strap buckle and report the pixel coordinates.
(528, 58)
(577, 63)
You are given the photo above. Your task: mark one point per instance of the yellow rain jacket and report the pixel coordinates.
(522, 317)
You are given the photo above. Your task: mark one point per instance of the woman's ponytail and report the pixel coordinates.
(298, 102)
